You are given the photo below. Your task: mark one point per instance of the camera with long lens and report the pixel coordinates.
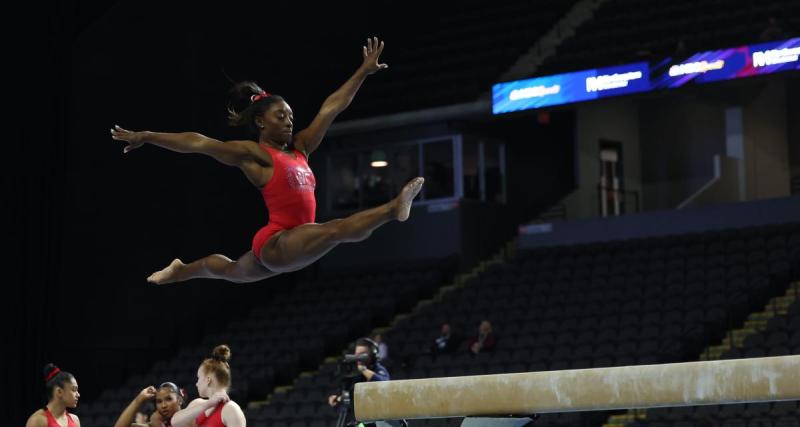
(348, 365)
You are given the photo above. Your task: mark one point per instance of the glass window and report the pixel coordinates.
(438, 169)
(403, 166)
(370, 177)
(493, 173)
(472, 184)
(385, 170)
(344, 182)
(374, 181)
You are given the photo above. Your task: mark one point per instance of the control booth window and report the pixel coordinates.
(454, 167)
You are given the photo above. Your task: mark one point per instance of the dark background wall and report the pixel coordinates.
(90, 224)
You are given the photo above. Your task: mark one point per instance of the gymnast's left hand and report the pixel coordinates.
(371, 53)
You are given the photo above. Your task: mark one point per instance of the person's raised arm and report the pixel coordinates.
(186, 416)
(127, 416)
(232, 153)
(309, 138)
(370, 375)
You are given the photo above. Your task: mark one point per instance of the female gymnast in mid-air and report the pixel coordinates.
(276, 162)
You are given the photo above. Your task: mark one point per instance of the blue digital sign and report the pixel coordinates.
(570, 87)
(702, 67)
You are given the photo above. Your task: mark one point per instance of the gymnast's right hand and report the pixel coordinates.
(218, 398)
(147, 393)
(134, 139)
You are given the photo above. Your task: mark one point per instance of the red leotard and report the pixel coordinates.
(51, 420)
(289, 195)
(213, 420)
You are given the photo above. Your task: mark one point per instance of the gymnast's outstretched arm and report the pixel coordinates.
(308, 139)
(231, 153)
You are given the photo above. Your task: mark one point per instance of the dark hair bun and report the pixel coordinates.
(221, 353)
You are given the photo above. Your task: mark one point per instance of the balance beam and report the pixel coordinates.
(626, 387)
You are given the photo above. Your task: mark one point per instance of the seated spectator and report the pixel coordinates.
(446, 342)
(485, 341)
(383, 348)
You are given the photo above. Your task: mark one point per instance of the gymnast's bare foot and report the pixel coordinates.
(167, 275)
(406, 197)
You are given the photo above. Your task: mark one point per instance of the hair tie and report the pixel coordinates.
(52, 373)
(259, 96)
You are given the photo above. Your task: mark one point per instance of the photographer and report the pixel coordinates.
(367, 368)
